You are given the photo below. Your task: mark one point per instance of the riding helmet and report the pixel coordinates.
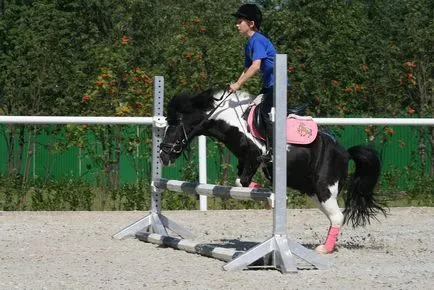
(250, 12)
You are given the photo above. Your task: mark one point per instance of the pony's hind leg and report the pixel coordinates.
(326, 200)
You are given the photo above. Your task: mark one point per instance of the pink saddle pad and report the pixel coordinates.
(299, 130)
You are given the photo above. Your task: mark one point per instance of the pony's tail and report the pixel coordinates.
(360, 202)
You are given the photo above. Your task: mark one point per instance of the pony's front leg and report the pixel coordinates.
(331, 209)
(246, 170)
(240, 168)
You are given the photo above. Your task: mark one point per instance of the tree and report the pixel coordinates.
(43, 68)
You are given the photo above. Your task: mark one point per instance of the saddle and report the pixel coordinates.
(300, 129)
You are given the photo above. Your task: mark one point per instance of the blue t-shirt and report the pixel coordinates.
(260, 47)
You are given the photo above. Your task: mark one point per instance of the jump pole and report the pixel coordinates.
(208, 250)
(212, 190)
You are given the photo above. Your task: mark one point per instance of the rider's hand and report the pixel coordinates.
(234, 87)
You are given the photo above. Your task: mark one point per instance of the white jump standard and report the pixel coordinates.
(155, 222)
(281, 248)
(278, 250)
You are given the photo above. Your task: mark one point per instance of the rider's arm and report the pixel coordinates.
(246, 75)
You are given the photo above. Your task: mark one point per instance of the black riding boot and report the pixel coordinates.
(268, 156)
(266, 107)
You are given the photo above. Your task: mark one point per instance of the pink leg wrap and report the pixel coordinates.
(331, 239)
(254, 185)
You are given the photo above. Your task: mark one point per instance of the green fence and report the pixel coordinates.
(72, 152)
(398, 147)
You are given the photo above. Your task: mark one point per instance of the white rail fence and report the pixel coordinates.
(151, 120)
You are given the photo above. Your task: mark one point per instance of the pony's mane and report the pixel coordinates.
(187, 103)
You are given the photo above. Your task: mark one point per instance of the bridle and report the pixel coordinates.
(180, 145)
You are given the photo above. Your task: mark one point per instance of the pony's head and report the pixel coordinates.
(185, 116)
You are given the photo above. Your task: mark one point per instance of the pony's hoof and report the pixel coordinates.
(321, 249)
(254, 185)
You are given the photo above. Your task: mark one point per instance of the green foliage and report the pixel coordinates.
(12, 195)
(346, 57)
(419, 192)
(62, 195)
(66, 194)
(42, 59)
(177, 201)
(353, 57)
(131, 197)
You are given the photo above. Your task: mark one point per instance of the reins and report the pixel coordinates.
(197, 127)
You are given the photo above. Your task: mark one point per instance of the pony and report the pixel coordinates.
(318, 169)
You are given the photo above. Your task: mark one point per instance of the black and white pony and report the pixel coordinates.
(319, 169)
